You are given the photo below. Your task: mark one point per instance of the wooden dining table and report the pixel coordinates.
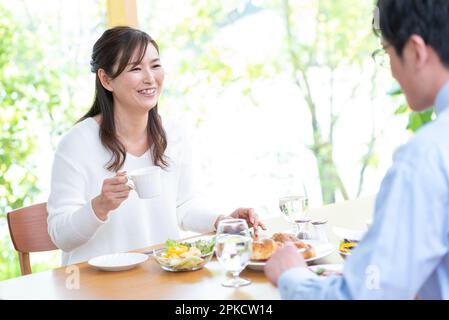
(149, 281)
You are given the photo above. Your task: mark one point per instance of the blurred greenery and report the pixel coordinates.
(29, 91)
(9, 262)
(415, 119)
(342, 43)
(338, 42)
(17, 183)
(39, 82)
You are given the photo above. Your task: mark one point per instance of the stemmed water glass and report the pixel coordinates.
(233, 250)
(294, 209)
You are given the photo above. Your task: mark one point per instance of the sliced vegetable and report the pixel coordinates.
(320, 271)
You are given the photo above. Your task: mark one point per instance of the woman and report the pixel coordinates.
(91, 209)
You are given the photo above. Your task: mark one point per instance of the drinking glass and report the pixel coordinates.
(233, 250)
(294, 209)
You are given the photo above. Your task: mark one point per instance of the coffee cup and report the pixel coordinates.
(145, 181)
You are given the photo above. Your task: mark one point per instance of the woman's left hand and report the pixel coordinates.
(245, 213)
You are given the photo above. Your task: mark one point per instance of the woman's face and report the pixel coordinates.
(138, 87)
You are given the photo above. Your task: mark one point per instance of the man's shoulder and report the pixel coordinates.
(429, 141)
(433, 134)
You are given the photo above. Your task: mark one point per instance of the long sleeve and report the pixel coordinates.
(404, 246)
(71, 220)
(77, 177)
(194, 214)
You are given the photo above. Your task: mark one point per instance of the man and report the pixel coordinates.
(405, 254)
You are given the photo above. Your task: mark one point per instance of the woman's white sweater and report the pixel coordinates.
(77, 177)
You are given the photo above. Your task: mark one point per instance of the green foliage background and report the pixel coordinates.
(415, 119)
(29, 92)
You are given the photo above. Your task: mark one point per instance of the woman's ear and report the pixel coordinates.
(105, 80)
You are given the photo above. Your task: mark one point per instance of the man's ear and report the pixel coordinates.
(105, 80)
(419, 51)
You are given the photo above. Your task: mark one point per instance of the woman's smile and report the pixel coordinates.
(148, 92)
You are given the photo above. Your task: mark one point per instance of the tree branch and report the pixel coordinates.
(31, 22)
(302, 70)
(341, 186)
(333, 119)
(371, 144)
(236, 14)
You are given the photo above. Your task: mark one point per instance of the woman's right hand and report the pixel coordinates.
(113, 192)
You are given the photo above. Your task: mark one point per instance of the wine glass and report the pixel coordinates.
(294, 209)
(233, 248)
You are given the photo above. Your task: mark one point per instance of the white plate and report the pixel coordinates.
(322, 250)
(327, 267)
(118, 261)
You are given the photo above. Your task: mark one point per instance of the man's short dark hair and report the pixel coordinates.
(400, 19)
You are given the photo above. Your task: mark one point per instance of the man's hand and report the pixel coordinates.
(244, 213)
(282, 260)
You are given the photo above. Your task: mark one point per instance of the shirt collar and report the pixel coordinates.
(442, 99)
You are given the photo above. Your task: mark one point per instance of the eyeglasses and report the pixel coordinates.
(381, 57)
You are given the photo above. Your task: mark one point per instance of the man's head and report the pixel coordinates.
(415, 35)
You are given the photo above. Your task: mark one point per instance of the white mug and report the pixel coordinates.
(145, 181)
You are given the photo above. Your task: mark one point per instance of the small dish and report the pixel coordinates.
(346, 246)
(349, 239)
(118, 261)
(192, 263)
(185, 256)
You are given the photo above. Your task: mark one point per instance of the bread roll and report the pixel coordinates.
(309, 253)
(263, 249)
(301, 245)
(284, 237)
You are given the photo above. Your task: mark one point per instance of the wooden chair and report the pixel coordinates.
(28, 230)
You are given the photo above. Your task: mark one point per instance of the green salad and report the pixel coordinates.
(183, 256)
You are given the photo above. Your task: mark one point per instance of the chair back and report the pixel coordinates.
(29, 233)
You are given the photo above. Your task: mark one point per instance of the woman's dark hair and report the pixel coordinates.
(112, 52)
(400, 19)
